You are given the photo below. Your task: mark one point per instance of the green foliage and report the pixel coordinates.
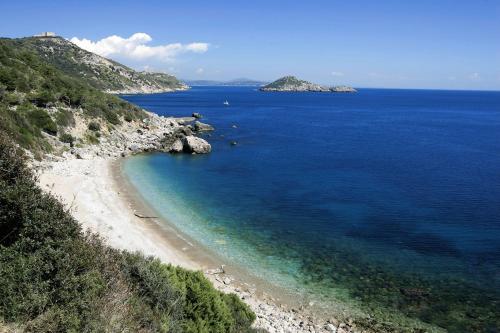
(128, 118)
(93, 126)
(285, 81)
(55, 278)
(92, 138)
(41, 119)
(65, 118)
(12, 99)
(44, 98)
(67, 138)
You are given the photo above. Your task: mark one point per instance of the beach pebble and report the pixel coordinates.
(330, 328)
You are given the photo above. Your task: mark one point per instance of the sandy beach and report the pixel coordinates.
(97, 196)
(88, 188)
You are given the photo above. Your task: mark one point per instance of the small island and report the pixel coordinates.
(293, 84)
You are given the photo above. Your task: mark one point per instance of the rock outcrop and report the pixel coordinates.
(155, 133)
(202, 127)
(193, 144)
(343, 89)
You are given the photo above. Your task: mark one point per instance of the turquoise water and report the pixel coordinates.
(385, 200)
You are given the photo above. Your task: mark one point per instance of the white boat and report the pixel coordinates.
(226, 103)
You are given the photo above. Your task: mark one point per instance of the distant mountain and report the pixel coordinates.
(236, 82)
(291, 83)
(101, 73)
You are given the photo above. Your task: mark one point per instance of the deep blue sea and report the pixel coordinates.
(385, 200)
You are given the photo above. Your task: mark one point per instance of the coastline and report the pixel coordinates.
(101, 199)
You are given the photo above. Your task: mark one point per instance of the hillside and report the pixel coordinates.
(101, 73)
(39, 102)
(293, 84)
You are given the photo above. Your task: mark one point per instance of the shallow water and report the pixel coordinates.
(388, 200)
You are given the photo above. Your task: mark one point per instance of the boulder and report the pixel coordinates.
(192, 144)
(177, 146)
(196, 115)
(134, 148)
(330, 328)
(200, 127)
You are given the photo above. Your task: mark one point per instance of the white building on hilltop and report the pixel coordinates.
(46, 34)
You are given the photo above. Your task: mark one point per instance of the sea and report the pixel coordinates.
(383, 204)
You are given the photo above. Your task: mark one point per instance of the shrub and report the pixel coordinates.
(93, 126)
(43, 98)
(42, 120)
(13, 98)
(65, 118)
(67, 138)
(128, 118)
(91, 138)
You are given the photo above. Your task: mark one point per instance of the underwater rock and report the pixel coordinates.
(192, 144)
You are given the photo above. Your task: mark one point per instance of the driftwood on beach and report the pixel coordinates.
(144, 216)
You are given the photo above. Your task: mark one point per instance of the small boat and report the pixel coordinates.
(226, 103)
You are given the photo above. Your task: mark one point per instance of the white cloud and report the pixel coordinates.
(475, 76)
(134, 47)
(200, 71)
(337, 74)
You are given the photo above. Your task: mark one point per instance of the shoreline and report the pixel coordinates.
(100, 197)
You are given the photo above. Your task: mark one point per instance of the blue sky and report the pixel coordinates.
(402, 44)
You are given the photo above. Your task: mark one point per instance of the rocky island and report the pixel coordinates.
(293, 84)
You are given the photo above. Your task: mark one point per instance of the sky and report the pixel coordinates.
(437, 44)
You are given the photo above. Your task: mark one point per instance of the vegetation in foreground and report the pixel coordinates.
(55, 278)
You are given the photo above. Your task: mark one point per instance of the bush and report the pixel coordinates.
(42, 120)
(65, 118)
(43, 98)
(13, 98)
(67, 138)
(55, 278)
(93, 126)
(92, 138)
(128, 118)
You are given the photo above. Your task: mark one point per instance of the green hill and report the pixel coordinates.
(101, 73)
(37, 98)
(285, 81)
